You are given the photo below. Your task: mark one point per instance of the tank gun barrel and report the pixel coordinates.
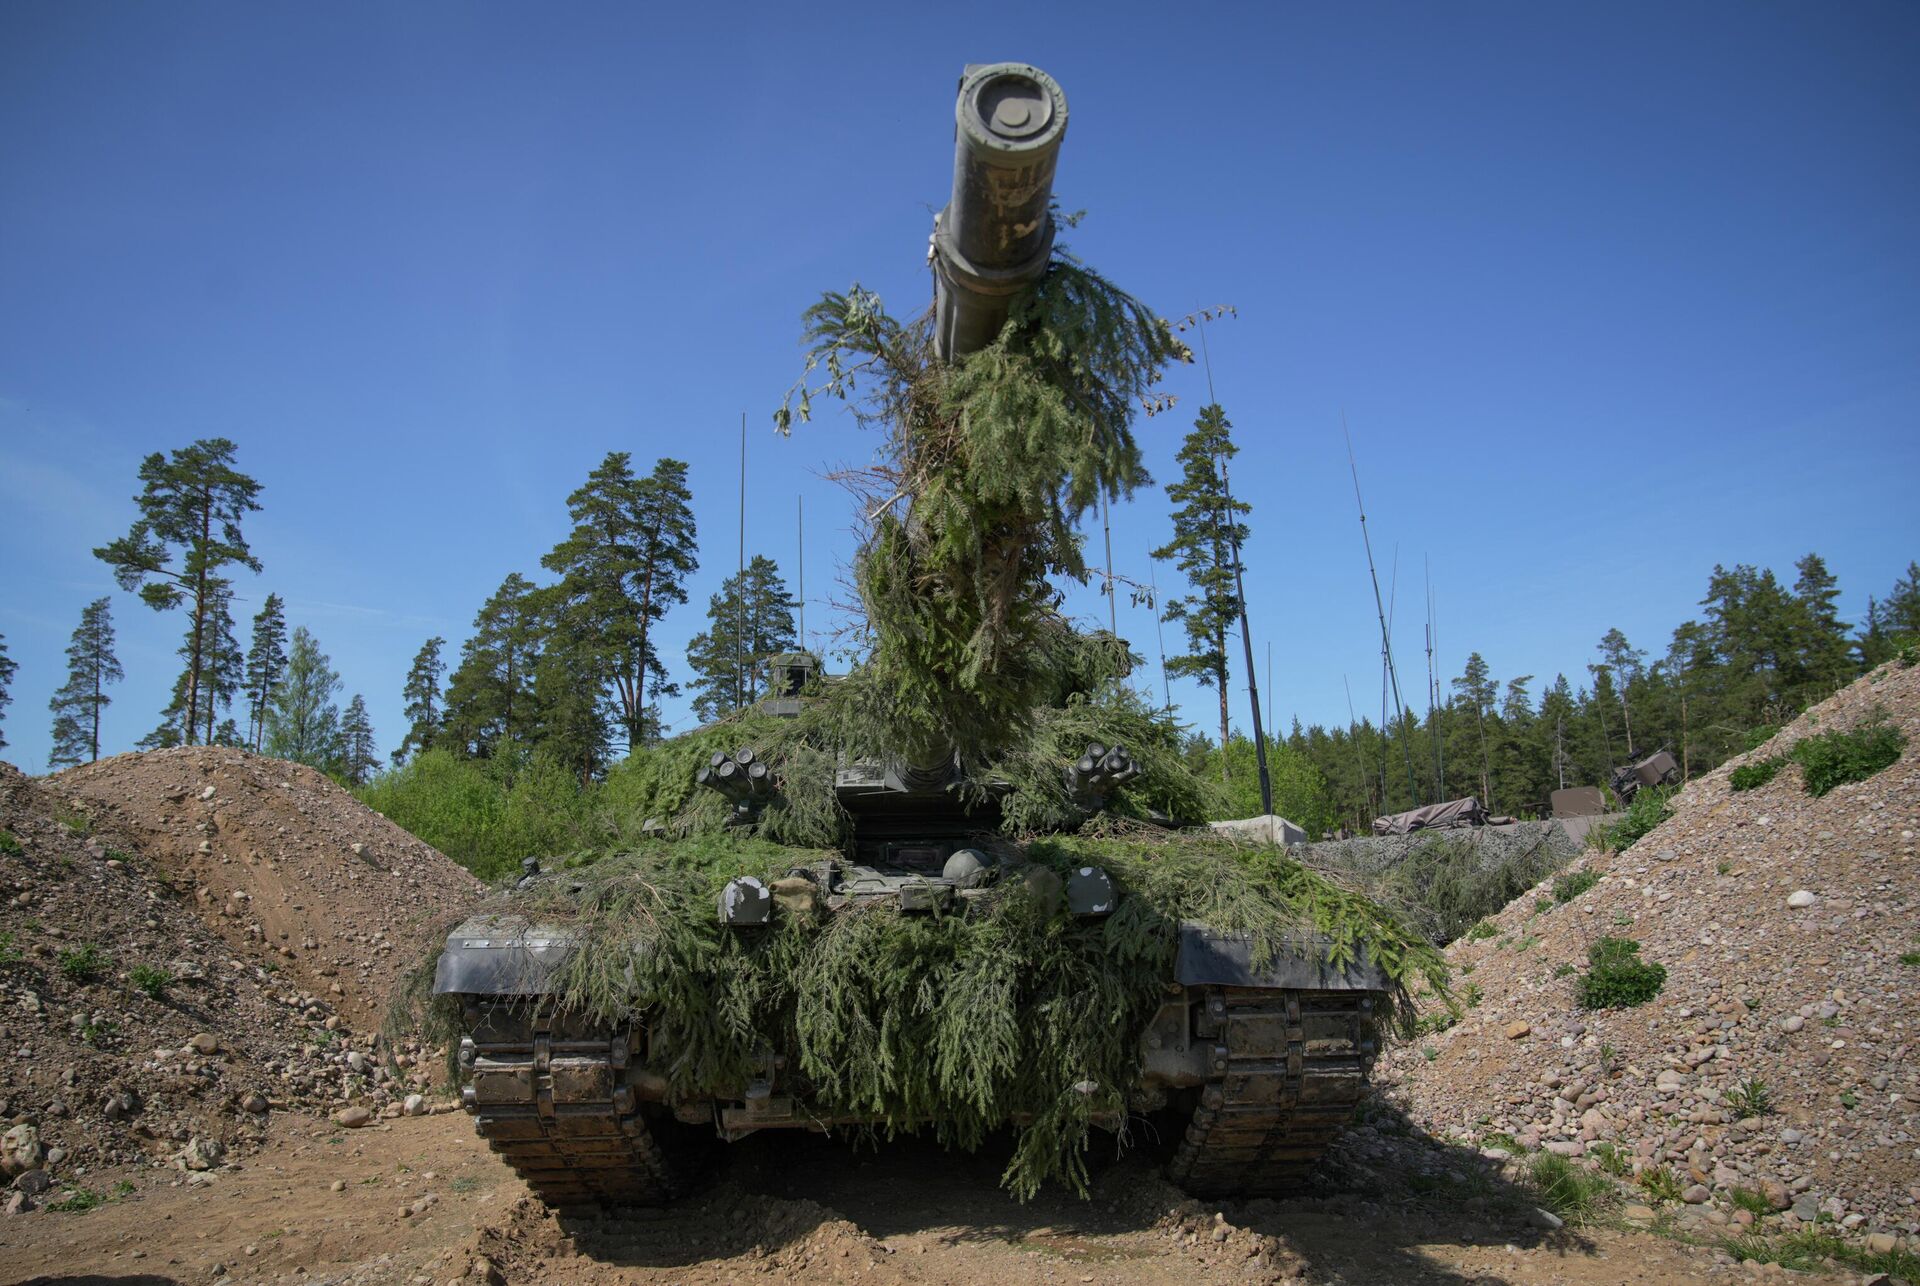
(995, 237)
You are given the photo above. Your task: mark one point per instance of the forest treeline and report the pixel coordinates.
(562, 680)
(1760, 651)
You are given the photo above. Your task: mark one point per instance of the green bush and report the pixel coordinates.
(83, 963)
(1648, 809)
(1481, 931)
(1836, 758)
(1758, 737)
(1569, 887)
(486, 814)
(1757, 774)
(8, 844)
(1617, 977)
(149, 980)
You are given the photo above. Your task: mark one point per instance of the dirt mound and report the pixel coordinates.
(132, 1033)
(280, 859)
(1779, 1058)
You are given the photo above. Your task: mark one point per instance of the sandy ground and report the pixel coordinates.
(782, 1208)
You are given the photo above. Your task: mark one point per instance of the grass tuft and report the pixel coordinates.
(83, 963)
(1575, 1194)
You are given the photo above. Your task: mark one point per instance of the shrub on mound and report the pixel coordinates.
(1836, 758)
(1617, 978)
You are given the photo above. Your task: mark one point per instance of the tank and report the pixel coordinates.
(1253, 1063)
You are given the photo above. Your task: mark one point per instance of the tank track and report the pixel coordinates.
(554, 1102)
(1289, 1068)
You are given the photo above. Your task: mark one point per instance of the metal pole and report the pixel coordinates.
(800, 560)
(740, 656)
(1113, 612)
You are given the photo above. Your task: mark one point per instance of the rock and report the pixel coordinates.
(32, 1182)
(415, 1105)
(352, 1117)
(1517, 1029)
(1793, 1022)
(19, 1203)
(1806, 1208)
(204, 1043)
(338, 1185)
(1639, 1214)
(1776, 1193)
(255, 1103)
(208, 793)
(1696, 1195)
(1801, 898)
(1882, 1243)
(357, 1061)
(1545, 1219)
(201, 1154)
(483, 1270)
(20, 1150)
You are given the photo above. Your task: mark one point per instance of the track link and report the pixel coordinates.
(553, 1100)
(1289, 1068)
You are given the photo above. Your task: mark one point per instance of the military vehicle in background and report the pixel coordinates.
(1261, 1065)
(1658, 769)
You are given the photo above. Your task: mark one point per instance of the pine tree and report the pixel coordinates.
(1477, 687)
(749, 620)
(1624, 667)
(358, 760)
(266, 659)
(8, 668)
(1206, 528)
(192, 503)
(422, 695)
(76, 707)
(225, 667)
(622, 567)
(490, 694)
(303, 721)
(1825, 651)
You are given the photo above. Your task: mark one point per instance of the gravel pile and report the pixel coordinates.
(155, 1014)
(1780, 1057)
(282, 861)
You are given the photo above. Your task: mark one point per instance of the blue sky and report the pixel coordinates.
(1607, 296)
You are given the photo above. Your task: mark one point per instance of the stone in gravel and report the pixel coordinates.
(483, 1270)
(1801, 898)
(1776, 1193)
(201, 1154)
(1793, 1022)
(1806, 1207)
(19, 1203)
(32, 1182)
(1639, 1214)
(20, 1149)
(1881, 1243)
(415, 1105)
(205, 1043)
(1517, 1029)
(1696, 1195)
(338, 1185)
(352, 1117)
(1545, 1219)
(207, 793)
(255, 1103)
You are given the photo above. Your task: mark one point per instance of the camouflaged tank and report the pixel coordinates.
(1263, 1065)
